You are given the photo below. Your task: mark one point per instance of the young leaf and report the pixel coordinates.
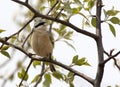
(105, 13)
(112, 12)
(115, 20)
(57, 75)
(22, 73)
(35, 63)
(76, 10)
(5, 53)
(69, 44)
(70, 77)
(1, 30)
(80, 62)
(112, 29)
(71, 84)
(35, 78)
(75, 59)
(68, 35)
(5, 47)
(47, 80)
(93, 22)
(11, 77)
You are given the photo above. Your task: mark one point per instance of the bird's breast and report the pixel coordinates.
(41, 44)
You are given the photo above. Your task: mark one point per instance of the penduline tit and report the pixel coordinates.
(41, 41)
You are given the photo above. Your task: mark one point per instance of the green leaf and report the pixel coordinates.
(12, 39)
(76, 10)
(83, 61)
(52, 2)
(69, 44)
(68, 35)
(57, 75)
(5, 53)
(115, 20)
(77, 2)
(75, 59)
(5, 47)
(68, 8)
(71, 84)
(112, 12)
(35, 63)
(93, 22)
(105, 13)
(47, 80)
(80, 62)
(42, 8)
(86, 0)
(90, 4)
(36, 78)
(11, 77)
(1, 30)
(22, 73)
(112, 29)
(70, 77)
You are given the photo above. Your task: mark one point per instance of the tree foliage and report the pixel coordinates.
(58, 14)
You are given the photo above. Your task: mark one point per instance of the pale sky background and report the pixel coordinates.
(85, 47)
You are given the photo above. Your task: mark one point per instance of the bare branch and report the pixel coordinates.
(27, 38)
(26, 1)
(41, 74)
(37, 14)
(111, 57)
(21, 28)
(57, 1)
(25, 73)
(106, 53)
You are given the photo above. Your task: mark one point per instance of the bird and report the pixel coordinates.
(41, 41)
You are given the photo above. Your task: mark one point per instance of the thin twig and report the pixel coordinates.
(115, 61)
(111, 57)
(21, 28)
(27, 38)
(25, 72)
(106, 53)
(57, 1)
(59, 13)
(41, 74)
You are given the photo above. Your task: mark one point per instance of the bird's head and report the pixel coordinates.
(38, 22)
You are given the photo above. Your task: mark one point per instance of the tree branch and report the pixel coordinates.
(57, 1)
(100, 69)
(25, 73)
(21, 28)
(111, 57)
(116, 63)
(27, 38)
(90, 80)
(37, 14)
(41, 74)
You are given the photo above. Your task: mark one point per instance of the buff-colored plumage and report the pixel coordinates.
(41, 42)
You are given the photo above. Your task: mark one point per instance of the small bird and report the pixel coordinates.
(41, 41)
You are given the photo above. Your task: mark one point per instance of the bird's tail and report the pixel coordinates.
(52, 68)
